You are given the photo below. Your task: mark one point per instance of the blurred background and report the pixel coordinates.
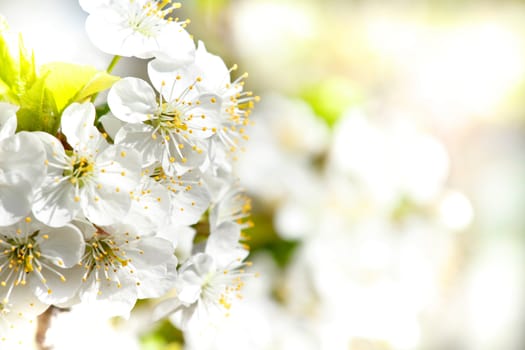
(386, 166)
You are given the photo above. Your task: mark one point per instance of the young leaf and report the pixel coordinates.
(27, 66)
(8, 68)
(74, 83)
(17, 75)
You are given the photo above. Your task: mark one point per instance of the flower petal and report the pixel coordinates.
(77, 123)
(7, 120)
(64, 245)
(140, 137)
(132, 100)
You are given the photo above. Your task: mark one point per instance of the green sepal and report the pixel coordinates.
(38, 110)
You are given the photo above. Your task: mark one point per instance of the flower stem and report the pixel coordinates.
(43, 324)
(113, 63)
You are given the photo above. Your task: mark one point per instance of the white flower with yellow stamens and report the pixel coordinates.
(140, 28)
(21, 167)
(209, 281)
(119, 267)
(39, 256)
(188, 197)
(171, 129)
(231, 205)
(150, 206)
(94, 178)
(235, 104)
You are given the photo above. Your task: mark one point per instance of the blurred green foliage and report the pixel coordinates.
(163, 337)
(331, 97)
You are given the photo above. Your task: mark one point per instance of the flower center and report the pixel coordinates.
(104, 258)
(21, 257)
(171, 118)
(149, 19)
(81, 170)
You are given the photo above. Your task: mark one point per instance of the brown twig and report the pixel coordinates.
(43, 323)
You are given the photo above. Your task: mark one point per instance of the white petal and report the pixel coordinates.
(54, 202)
(119, 166)
(205, 116)
(56, 290)
(154, 251)
(92, 5)
(178, 161)
(165, 308)
(107, 200)
(174, 44)
(107, 298)
(24, 301)
(188, 205)
(182, 238)
(15, 201)
(109, 37)
(215, 74)
(111, 124)
(105, 206)
(139, 137)
(23, 155)
(190, 287)
(150, 207)
(7, 120)
(223, 244)
(157, 280)
(132, 100)
(77, 123)
(65, 245)
(173, 80)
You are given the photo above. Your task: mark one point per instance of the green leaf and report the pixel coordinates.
(331, 97)
(8, 70)
(75, 83)
(17, 75)
(27, 66)
(38, 109)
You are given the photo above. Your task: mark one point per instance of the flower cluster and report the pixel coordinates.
(133, 198)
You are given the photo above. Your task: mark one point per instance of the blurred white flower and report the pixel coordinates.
(17, 319)
(208, 281)
(393, 160)
(68, 327)
(140, 28)
(286, 136)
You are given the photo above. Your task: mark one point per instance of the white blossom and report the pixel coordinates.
(208, 281)
(120, 266)
(140, 28)
(171, 129)
(214, 78)
(39, 256)
(94, 178)
(188, 197)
